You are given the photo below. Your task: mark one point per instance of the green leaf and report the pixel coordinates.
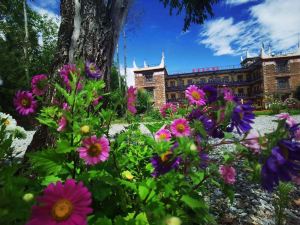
(48, 161)
(153, 127)
(50, 179)
(63, 146)
(143, 192)
(191, 202)
(103, 221)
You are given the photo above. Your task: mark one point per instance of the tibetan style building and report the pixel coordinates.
(255, 78)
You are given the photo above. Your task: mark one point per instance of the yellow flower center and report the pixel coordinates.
(24, 102)
(180, 127)
(94, 150)
(62, 210)
(196, 95)
(163, 136)
(165, 156)
(6, 122)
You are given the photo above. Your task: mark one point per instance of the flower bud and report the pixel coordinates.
(173, 221)
(85, 129)
(126, 174)
(193, 147)
(28, 197)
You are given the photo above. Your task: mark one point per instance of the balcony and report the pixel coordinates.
(214, 83)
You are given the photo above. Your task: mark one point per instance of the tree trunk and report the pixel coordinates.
(89, 30)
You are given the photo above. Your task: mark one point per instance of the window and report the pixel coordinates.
(240, 77)
(225, 79)
(202, 80)
(181, 83)
(190, 82)
(173, 96)
(182, 95)
(282, 66)
(240, 91)
(172, 83)
(283, 83)
(149, 77)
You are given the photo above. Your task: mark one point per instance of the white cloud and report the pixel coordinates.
(238, 2)
(280, 19)
(130, 75)
(271, 22)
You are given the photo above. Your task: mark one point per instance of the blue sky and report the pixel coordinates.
(238, 26)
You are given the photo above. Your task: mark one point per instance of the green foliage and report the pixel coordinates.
(195, 11)
(282, 201)
(12, 70)
(144, 101)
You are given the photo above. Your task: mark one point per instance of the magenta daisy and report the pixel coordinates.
(228, 173)
(180, 128)
(39, 84)
(163, 135)
(94, 150)
(168, 109)
(65, 204)
(62, 124)
(25, 103)
(195, 95)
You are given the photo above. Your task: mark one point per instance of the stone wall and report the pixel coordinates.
(157, 84)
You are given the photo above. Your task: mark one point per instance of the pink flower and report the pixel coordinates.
(94, 150)
(228, 94)
(131, 99)
(25, 103)
(39, 84)
(66, 107)
(296, 179)
(64, 204)
(163, 135)
(62, 124)
(180, 128)
(252, 141)
(195, 95)
(65, 74)
(168, 109)
(228, 173)
(95, 102)
(290, 121)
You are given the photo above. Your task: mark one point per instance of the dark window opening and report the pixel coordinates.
(282, 66)
(283, 83)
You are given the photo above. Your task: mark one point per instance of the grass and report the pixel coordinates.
(270, 112)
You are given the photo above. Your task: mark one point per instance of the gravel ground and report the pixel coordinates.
(251, 205)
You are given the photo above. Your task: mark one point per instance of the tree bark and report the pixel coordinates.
(89, 30)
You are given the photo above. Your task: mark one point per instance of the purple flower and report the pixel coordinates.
(204, 160)
(39, 84)
(25, 103)
(242, 117)
(92, 70)
(210, 93)
(282, 164)
(131, 100)
(208, 124)
(165, 162)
